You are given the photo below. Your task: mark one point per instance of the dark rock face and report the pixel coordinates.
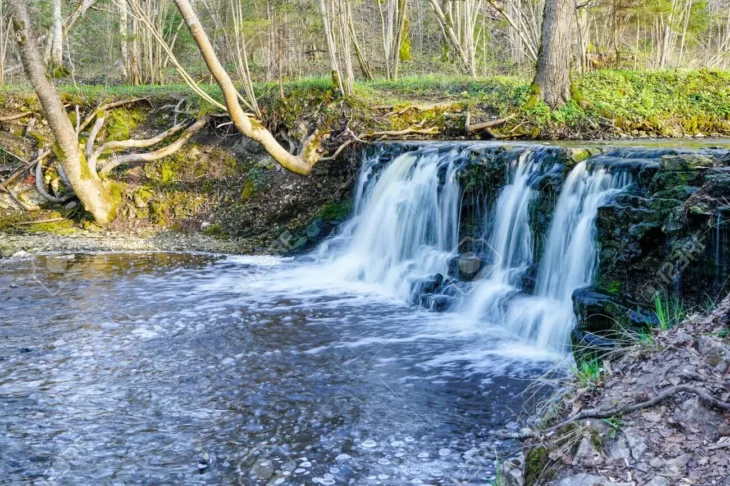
(665, 236)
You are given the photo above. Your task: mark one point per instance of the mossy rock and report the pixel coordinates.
(537, 460)
(142, 197)
(686, 162)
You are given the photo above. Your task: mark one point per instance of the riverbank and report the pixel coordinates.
(117, 242)
(654, 412)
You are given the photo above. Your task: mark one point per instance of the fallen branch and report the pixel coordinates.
(16, 116)
(20, 170)
(406, 131)
(485, 126)
(419, 108)
(610, 412)
(39, 221)
(17, 200)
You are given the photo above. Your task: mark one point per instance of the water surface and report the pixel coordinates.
(152, 368)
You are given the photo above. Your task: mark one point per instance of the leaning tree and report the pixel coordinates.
(84, 169)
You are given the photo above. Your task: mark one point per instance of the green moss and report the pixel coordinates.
(335, 211)
(614, 287)
(249, 187)
(215, 230)
(121, 122)
(536, 462)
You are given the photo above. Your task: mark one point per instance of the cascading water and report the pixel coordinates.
(406, 227)
(406, 223)
(570, 258)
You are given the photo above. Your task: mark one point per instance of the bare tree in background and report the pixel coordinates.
(552, 79)
(393, 24)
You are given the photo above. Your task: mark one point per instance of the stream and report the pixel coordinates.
(387, 355)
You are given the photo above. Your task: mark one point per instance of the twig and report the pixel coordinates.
(610, 412)
(15, 116)
(38, 221)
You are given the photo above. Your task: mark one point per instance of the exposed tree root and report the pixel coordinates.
(610, 412)
(156, 154)
(39, 185)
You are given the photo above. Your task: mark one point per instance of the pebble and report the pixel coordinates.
(369, 444)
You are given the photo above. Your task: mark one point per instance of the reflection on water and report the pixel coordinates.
(246, 370)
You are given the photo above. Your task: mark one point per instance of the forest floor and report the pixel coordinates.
(606, 105)
(677, 436)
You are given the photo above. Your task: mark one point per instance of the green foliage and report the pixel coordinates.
(669, 310)
(336, 211)
(615, 423)
(588, 372)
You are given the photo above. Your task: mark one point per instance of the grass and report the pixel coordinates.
(669, 310)
(588, 372)
(665, 102)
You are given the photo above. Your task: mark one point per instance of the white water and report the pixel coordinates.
(569, 261)
(406, 227)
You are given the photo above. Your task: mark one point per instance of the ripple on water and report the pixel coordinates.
(146, 367)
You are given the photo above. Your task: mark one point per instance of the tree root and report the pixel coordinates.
(156, 154)
(704, 395)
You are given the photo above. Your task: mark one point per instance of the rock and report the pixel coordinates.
(582, 479)
(715, 353)
(636, 443)
(678, 464)
(315, 228)
(437, 303)
(693, 412)
(513, 471)
(587, 455)
(657, 481)
(682, 339)
(619, 449)
(20, 254)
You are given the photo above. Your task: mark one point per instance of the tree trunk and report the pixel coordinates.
(124, 40)
(56, 34)
(300, 164)
(90, 191)
(553, 61)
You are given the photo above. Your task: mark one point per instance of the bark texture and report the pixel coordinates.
(90, 191)
(553, 61)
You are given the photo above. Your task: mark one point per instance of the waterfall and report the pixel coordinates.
(406, 222)
(570, 257)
